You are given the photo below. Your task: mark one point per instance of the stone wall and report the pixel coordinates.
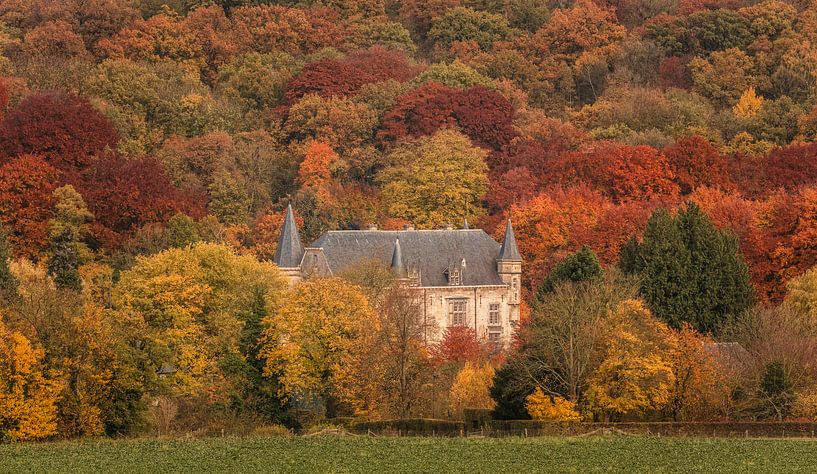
(437, 309)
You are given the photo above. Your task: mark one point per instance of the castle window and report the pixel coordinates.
(494, 335)
(456, 312)
(493, 314)
(454, 278)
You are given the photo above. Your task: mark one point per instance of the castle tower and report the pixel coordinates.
(509, 267)
(289, 253)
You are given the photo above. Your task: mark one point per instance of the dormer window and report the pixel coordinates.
(455, 278)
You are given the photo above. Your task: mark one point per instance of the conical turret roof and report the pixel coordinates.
(290, 251)
(509, 249)
(397, 260)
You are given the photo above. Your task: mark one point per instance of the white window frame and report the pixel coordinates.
(457, 311)
(494, 316)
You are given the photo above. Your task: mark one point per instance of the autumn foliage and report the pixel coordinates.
(483, 115)
(64, 129)
(148, 151)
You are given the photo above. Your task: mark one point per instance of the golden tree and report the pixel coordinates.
(542, 406)
(311, 340)
(471, 388)
(748, 105)
(194, 304)
(28, 399)
(635, 375)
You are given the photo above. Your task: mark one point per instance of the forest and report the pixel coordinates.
(658, 159)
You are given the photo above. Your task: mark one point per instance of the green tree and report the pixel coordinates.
(8, 282)
(776, 390)
(64, 261)
(691, 271)
(510, 390)
(582, 265)
(258, 79)
(465, 24)
(181, 231)
(68, 228)
(436, 180)
(229, 200)
(456, 74)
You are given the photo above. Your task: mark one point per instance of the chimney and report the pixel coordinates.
(371, 226)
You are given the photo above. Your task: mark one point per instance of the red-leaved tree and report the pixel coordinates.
(482, 114)
(64, 129)
(125, 194)
(26, 184)
(343, 77)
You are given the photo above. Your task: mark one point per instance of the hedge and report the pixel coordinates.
(410, 427)
(500, 428)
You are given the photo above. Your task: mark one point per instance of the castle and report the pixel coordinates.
(465, 278)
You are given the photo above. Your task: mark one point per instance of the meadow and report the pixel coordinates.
(386, 454)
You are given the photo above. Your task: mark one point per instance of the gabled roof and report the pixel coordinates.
(509, 251)
(429, 251)
(290, 251)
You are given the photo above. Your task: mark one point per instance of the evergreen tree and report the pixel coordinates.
(260, 393)
(8, 282)
(64, 261)
(68, 229)
(627, 256)
(579, 266)
(690, 270)
(509, 392)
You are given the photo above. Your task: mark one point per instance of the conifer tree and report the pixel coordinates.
(68, 229)
(582, 265)
(64, 261)
(690, 270)
(8, 282)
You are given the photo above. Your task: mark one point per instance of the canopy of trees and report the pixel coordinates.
(148, 150)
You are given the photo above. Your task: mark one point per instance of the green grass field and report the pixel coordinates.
(365, 454)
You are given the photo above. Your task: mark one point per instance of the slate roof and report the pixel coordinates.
(289, 252)
(510, 251)
(429, 250)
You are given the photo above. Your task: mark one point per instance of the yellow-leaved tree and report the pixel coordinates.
(28, 398)
(748, 105)
(542, 406)
(472, 388)
(195, 306)
(435, 180)
(311, 341)
(635, 375)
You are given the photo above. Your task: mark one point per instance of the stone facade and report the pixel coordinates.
(463, 276)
